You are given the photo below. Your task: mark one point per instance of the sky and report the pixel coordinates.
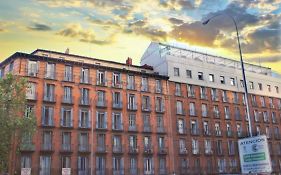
(117, 29)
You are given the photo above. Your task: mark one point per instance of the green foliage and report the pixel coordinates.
(13, 124)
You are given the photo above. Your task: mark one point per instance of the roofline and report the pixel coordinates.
(30, 56)
(89, 58)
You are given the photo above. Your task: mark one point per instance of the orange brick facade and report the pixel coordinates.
(191, 156)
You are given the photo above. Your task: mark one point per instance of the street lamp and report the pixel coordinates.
(242, 67)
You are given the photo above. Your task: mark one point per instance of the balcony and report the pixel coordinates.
(101, 171)
(159, 109)
(148, 149)
(183, 151)
(180, 111)
(161, 130)
(120, 171)
(218, 133)
(117, 127)
(31, 97)
(27, 147)
(182, 130)
(195, 131)
(102, 149)
(162, 150)
(225, 99)
(65, 148)
(184, 170)
(66, 123)
(84, 124)
(85, 80)
(277, 135)
(84, 148)
(117, 149)
(216, 114)
(31, 72)
(207, 132)
(133, 128)
(133, 149)
(86, 171)
(67, 100)
(47, 147)
(47, 122)
(238, 117)
(85, 101)
(49, 99)
(163, 171)
(147, 128)
(101, 104)
(133, 171)
(203, 96)
(117, 105)
(132, 106)
(101, 83)
(229, 133)
(195, 151)
(215, 98)
(146, 108)
(219, 151)
(101, 126)
(208, 151)
(116, 85)
(50, 75)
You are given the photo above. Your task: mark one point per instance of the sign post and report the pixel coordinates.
(254, 155)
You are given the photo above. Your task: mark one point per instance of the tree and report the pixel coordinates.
(13, 124)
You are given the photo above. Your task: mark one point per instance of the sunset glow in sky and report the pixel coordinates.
(117, 29)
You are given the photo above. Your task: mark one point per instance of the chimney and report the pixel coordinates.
(129, 61)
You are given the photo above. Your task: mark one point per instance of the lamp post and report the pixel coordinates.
(242, 67)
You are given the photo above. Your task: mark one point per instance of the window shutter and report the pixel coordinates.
(43, 115)
(113, 121)
(61, 119)
(105, 116)
(97, 113)
(122, 165)
(105, 79)
(80, 121)
(51, 116)
(89, 119)
(128, 101)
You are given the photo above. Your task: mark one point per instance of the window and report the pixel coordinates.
(47, 141)
(101, 142)
(216, 111)
(133, 142)
(181, 127)
(232, 81)
(251, 85)
(277, 89)
(162, 165)
(11, 66)
(144, 84)
(66, 141)
(159, 104)
(101, 77)
(211, 78)
(222, 80)
(25, 161)
(131, 82)
(194, 127)
(101, 99)
(204, 110)
(116, 80)
(262, 101)
(83, 165)
(267, 132)
(191, 91)
(160, 123)
(237, 113)
(208, 147)
(260, 86)
(217, 129)
(68, 73)
(50, 71)
(118, 165)
(84, 98)
(206, 128)
(47, 116)
(269, 88)
(188, 74)
(200, 76)
(117, 100)
(161, 143)
(239, 130)
(100, 165)
(178, 89)
(84, 142)
(214, 94)
(195, 146)
(84, 77)
(45, 165)
(224, 96)
(132, 102)
(28, 111)
(146, 103)
(66, 117)
(273, 117)
(227, 112)
(203, 93)
(228, 130)
(182, 146)
(158, 87)
(241, 83)
(231, 147)
(49, 90)
(146, 123)
(65, 162)
(192, 109)
(117, 123)
(265, 116)
(84, 118)
(179, 108)
(148, 165)
(133, 167)
(256, 115)
(101, 120)
(132, 122)
(32, 68)
(235, 98)
(31, 91)
(176, 72)
(67, 97)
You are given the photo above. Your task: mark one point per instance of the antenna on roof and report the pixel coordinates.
(67, 51)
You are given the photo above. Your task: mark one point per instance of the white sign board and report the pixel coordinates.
(66, 171)
(254, 155)
(25, 171)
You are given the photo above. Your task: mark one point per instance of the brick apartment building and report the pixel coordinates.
(183, 115)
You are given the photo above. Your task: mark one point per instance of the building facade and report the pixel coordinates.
(180, 112)
(208, 108)
(93, 116)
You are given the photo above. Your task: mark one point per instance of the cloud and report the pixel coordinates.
(62, 3)
(84, 35)
(176, 21)
(39, 27)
